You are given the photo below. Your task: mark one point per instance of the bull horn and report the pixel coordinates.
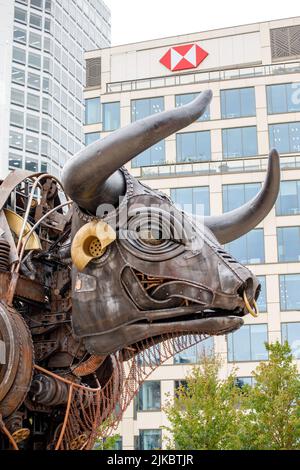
(91, 178)
(234, 224)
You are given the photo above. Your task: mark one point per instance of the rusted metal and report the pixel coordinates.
(25, 288)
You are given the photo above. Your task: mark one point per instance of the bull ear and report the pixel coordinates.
(91, 177)
(234, 224)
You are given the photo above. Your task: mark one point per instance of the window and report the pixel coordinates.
(37, 4)
(290, 332)
(35, 21)
(289, 292)
(47, 25)
(193, 354)
(17, 97)
(239, 102)
(45, 148)
(31, 164)
(34, 60)
(150, 356)
(235, 195)
(32, 144)
(15, 161)
(285, 137)
(288, 202)
(248, 344)
(192, 200)
(248, 249)
(46, 85)
(18, 76)
(283, 98)
(262, 299)
(19, 55)
(91, 137)
(242, 381)
(181, 100)
(33, 123)
(155, 155)
(20, 15)
(19, 35)
(33, 81)
(239, 142)
(193, 146)
(111, 116)
(33, 101)
(288, 240)
(146, 107)
(35, 40)
(92, 111)
(16, 140)
(149, 439)
(149, 397)
(17, 118)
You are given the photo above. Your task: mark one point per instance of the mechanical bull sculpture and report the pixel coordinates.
(98, 290)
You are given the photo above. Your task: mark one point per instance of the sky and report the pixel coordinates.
(139, 20)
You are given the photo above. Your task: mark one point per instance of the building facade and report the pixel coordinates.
(42, 75)
(217, 163)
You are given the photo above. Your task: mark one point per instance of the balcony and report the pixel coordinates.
(203, 77)
(250, 165)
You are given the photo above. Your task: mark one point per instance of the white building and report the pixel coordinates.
(220, 161)
(42, 74)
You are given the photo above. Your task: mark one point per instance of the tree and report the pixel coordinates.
(205, 414)
(271, 419)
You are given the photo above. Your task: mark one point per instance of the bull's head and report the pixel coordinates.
(159, 274)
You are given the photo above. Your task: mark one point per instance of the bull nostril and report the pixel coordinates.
(247, 287)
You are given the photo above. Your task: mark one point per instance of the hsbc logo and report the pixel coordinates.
(185, 57)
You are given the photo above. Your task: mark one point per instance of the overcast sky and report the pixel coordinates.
(139, 20)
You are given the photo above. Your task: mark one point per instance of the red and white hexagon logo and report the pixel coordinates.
(185, 57)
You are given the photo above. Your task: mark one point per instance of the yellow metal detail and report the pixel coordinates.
(250, 309)
(90, 242)
(21, 435)
(15, 222)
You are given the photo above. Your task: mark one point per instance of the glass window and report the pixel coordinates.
(239, 102)
(239, 142)
(242, 381)
(193, 354)
(47, 25)
(33, 81)
(91, 137)
(19, 35)
(35, 21)
(150, 356)
(33, 123)
(32, 144)
(15, 160)
(45, 148)
(18, 76)
(92, 111)
(193, 146)
(16, 140)
(19, 55)
(47, 106)
(283, 98)
(262, 299)
(111, 116)
(288, 202)
(150, 439)
(48, 5)
(153, 156)
(20, 15)
(37, 4)
(248, 249)
(33, 101)
(34, 60)
(31, 164)
(181, 100)
(285, 137)
(146, 107)
(289, 292)
(17, 96)
(288, 240)
(248, 344)
(290, 332)
(149, 397)
(235, 195)
(46, 85)
(35, 40)
(17, 118)
(192, 200)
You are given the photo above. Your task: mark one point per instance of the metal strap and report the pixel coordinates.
(11, 181)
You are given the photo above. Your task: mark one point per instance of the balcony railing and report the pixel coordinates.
(254, 164)
(199, 77)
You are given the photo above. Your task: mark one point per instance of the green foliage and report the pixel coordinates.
(107, 443)
(214, 414)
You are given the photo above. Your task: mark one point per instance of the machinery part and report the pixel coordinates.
(89, 367)
(79, 442)
(16, 371)
(90, 242)
(15, 223)
(47, 390)
(21, 435)
(4, 254)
